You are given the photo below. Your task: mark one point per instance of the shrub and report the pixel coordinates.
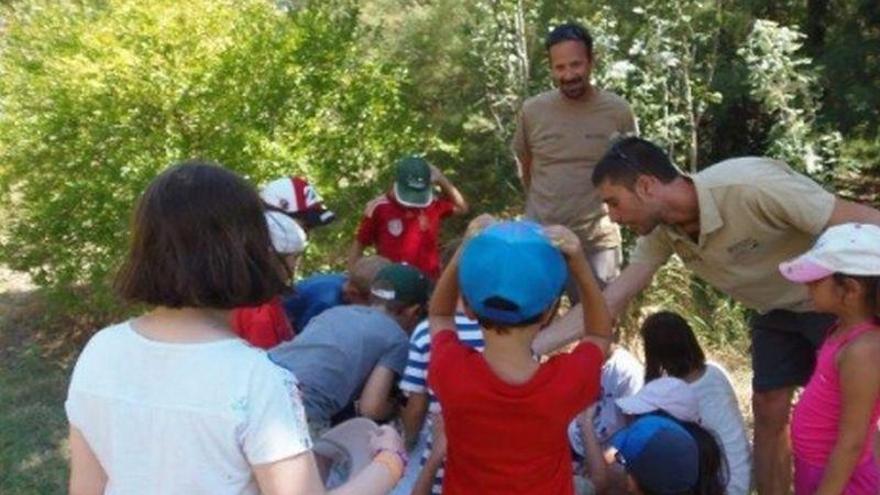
(96, 97)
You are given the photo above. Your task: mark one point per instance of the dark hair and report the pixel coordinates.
(570, 31)
(200, 239)
(714, 472)
(631, 157)
(872, 289)
(670, 346)
(503, 328)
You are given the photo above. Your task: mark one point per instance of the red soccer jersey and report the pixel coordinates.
(509, 439)
(263, 326)
(404, 234)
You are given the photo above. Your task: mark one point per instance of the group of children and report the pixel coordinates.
(183, 400)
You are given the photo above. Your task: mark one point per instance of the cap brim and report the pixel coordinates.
(316, 216)
(413, 197)
(348, 442)
(803, 269)
(635, 405)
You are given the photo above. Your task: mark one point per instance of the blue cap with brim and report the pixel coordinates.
(511, 273)
(660, 454)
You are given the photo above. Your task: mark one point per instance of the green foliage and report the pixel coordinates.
(782, 81)
(97, 97)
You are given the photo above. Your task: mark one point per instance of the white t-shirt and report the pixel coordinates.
(719, 412)
(183, 418)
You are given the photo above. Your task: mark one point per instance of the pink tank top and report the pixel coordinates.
(817, 414)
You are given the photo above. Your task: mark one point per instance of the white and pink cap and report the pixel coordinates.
(850, 248)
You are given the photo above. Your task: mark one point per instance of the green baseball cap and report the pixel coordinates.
(413, 184)
(401, 283)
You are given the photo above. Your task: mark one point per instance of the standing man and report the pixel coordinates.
(731, 224)
(560, 135)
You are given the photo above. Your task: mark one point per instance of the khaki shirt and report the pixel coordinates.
(565, 139)
(754, 213)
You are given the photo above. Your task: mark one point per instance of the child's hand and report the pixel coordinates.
(436, 174)
(478, 224)
(386, 438)
(564, 240)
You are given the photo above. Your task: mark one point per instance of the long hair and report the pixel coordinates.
(671, 347)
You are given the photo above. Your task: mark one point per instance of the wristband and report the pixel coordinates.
(394, 462)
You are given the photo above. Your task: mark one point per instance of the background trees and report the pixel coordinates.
(97, 96)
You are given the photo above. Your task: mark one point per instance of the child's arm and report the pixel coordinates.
(859, 383)
(412, 415)
(425, 481)
(374, 402)
(460, 205)
(441, 312)
(87, 476)
(354, 253)
(594, 460)
(597, 320)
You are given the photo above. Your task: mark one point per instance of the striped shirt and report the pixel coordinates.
(415, 376)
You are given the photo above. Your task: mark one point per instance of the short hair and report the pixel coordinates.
(364, 271)
(570, 31)
(504, 304)
(200, 239)
(631, 157)
(670, 346)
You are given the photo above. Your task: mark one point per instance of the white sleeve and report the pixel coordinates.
(720, 413)
(276, 425)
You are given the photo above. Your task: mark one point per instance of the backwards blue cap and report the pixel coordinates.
(511, 273)
(660, 454)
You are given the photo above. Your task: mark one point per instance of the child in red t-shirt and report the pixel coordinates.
(404, 224)
(506, 422)
(266, 325)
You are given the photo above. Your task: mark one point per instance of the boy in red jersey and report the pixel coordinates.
(404, 223)
(506, 423)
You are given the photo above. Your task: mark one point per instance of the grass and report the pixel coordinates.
(33, 427)
(37, 352)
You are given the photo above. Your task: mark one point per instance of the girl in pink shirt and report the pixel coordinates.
(833, 423)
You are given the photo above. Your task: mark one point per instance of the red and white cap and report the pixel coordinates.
(295, 196)
(850, 248)
(671, 395)
(286, 235)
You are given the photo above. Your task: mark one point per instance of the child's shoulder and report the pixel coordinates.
(376, 203)
(865, 346)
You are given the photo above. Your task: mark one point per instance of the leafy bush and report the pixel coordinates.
(96, 97)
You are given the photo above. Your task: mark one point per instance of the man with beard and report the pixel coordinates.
(560, 136)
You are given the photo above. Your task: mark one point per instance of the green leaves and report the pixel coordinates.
(98, 96)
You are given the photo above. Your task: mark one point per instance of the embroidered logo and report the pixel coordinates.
(395, 227)
(742, 248)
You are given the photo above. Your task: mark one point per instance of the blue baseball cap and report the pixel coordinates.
(660, 454)
(511, 273)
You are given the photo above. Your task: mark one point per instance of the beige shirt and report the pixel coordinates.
(565, 139)
(754, 213)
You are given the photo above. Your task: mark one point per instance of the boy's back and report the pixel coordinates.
(523, 427)
(505, 415)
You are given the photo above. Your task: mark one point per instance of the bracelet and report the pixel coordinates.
(393, 462)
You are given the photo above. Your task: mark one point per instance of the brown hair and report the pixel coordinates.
(871, 284)
(199, 239)
(670, 346)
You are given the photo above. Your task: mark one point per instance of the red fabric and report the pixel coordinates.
(263, 326)
(404, 234)
(509, 439)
